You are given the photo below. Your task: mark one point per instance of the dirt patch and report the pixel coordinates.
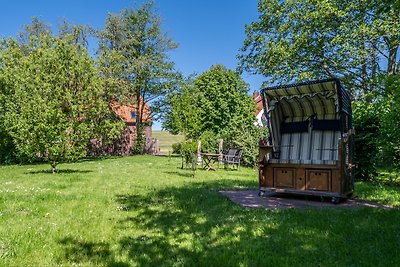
(250, 199)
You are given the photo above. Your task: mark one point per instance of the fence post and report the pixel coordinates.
(199, 159)
(220, 151)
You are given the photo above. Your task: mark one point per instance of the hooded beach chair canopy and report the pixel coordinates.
(306, 120)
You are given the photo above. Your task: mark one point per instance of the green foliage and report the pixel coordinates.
(181, 115)
(209, 141)
(367, 156)
(308, 39)
(7, 148)
(212, 106)
(224, 101)
(133, 54)
(390, 121)
(247, 139)
(215, 101)
(140, 141)
(298, 40)
(52, 99)
(185, 147)
(377, 129)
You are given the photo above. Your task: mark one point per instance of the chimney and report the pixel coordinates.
(255, 94)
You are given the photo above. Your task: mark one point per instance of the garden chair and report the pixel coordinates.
(189, 161)
(233, 157)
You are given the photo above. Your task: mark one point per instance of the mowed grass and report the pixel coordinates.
(166, 140)
(145, 211)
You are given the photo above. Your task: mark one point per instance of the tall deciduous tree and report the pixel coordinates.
(134, 52)
(215, 101)
(308, 39)
(213, 105)
(51, 98)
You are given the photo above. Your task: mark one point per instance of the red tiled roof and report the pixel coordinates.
(259, 103)
(128, 113)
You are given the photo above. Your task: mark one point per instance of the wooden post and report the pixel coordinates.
(199, 159)
(156, 147)
(220, 151)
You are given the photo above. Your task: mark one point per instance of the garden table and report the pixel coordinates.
(209, 160)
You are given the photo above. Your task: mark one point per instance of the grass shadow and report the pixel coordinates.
(187, 174)
(66, 171)
(99, 158)
(80, 252)
(195, 225)
(386, 182)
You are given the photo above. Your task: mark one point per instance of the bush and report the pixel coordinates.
(7, 149)
(209, 142)
(390, 122)
(366, 123)
(247, 140)
(185, 147)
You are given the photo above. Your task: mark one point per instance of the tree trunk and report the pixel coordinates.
(391, 68)
(140, 142)
(374, 71)
(53, 167)
(364, 70)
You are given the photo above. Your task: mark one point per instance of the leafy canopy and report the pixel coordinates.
(51, 97)
(134, 52)
(310, 39)
(214, 105)
(355, 41)
(215, 101)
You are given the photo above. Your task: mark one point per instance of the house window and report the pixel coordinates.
(133, 115)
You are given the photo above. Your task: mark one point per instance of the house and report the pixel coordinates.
(261, 119)
(128, 113)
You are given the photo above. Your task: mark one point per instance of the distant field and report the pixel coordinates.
(166, 140)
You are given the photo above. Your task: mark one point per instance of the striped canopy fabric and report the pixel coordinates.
(303, 99)
(291, 111)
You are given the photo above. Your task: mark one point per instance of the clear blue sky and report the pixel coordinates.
(208, 32)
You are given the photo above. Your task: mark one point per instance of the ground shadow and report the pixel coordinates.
(88, 253)
(66, 171)
(187, 174)
(196, 225)
(387, 182)
(98, 158)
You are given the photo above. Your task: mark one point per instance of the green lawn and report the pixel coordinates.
(144, 211)
(166, 140)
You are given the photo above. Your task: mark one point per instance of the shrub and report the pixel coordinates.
(247, 140)
(185, 147)
(390, 122)
(366, 123)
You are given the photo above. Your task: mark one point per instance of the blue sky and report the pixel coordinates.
(208, 32)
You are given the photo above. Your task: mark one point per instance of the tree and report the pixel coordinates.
(51, 99)
(133, 52)
(310, 39)
(179, 112)
(367, 147)
(388, 110)
(33, 32)
(213, 105)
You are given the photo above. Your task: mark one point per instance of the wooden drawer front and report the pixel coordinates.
(284, 177)
(318, 180)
